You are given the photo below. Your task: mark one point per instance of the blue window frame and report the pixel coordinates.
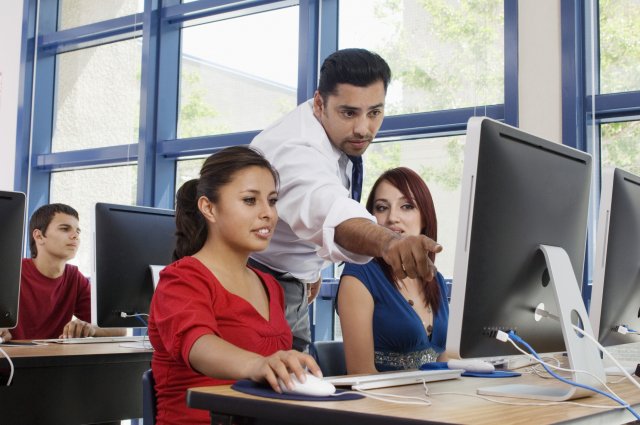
(585, 109)
(157, 147)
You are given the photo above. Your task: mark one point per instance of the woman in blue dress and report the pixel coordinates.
(389, 323)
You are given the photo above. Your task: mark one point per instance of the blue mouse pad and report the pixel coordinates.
(261, 390)
(494, 374)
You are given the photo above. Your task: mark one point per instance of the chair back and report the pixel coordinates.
(148, 398)
(330, 357)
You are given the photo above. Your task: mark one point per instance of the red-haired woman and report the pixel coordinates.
(389, 323)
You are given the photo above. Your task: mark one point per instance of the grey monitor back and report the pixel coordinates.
(615, 295)
(518, 191)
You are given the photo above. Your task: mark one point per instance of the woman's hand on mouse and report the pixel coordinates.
(279, 366)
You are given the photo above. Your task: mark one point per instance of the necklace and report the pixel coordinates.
(428, 327)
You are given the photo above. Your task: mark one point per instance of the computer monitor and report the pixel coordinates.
(520, 244)
(12, 218)
(615, 295)
(128, 240)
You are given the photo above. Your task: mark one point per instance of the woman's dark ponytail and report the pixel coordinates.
(191, 229)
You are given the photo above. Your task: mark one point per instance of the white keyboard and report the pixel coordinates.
(94, 340)
(628, 355)
(626, 352)
(393, 379)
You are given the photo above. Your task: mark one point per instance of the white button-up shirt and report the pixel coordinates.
(314, 196)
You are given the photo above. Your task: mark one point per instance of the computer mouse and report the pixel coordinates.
(313, 386)
(471, 365)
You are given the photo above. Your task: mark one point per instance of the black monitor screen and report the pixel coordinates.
(518, 191)
(12, 218)
(615, 298)
(129, 239)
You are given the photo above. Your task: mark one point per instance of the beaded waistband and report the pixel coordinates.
(411, 360)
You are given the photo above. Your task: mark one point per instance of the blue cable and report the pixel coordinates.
(516, 338)
(139, 317)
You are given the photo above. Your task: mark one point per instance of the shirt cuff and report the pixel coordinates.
(342, 210)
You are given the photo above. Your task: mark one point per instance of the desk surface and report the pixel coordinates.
(53, 349)
(73, 383)
(449, 408)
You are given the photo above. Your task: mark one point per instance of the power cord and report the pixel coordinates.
(624, 330)
(380, 396)
(10, 366)
(513, 338)
(145, 336)
(608, 354)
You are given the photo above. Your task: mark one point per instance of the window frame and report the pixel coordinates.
(157, 148)
(584, 109)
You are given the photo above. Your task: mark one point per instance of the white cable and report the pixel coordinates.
(10, 366)
(604, 384)
(548, 403)
(379, 396)
(605, 351)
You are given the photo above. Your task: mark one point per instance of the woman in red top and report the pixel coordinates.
(213, 319)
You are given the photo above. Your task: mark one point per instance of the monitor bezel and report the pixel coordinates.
(13, 240)
(144, 290)
(613, 187)
(455, 339)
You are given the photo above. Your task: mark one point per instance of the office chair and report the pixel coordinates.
(148, 398)
(330, 357)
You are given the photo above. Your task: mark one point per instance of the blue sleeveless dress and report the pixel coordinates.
(399, 337)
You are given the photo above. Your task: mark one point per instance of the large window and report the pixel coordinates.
(123, 102)
(619, 36)
(601, 97)
(97, 96)
(619, 54)
(444, 54)
(225, 91)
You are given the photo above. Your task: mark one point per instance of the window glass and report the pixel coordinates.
(443, 54)
(187, 169)
(81, 189)
(97, 96)
(232, 79)
(74, 13)
(619, 45)
(620, 145)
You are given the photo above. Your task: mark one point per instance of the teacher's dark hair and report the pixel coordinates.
(358, 67)
(217, 171)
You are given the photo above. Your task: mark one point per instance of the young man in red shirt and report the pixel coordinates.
(52, 292)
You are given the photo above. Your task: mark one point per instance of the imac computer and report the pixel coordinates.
(131, 243)
(520, 251)
(12, 219)
(615, 295)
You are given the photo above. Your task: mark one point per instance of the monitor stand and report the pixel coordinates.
(582, 353)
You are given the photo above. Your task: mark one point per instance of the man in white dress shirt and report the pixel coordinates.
(314, 148)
